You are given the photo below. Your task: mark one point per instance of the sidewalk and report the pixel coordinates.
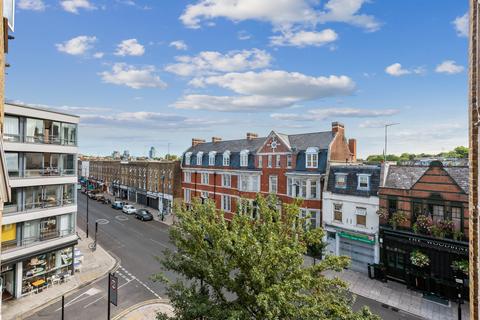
(168, 219)
(398, 296)
(146, 310)
(94, 265)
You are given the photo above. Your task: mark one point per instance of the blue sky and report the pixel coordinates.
(151, 73)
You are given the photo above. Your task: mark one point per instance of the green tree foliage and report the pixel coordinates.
(252, 268)
(459, 152)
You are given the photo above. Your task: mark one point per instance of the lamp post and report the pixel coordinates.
(385, 148)
(163, 190)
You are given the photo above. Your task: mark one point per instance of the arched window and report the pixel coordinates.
(188, 155)
(199, 158)
(211, 158)
(244, 158)
(226, 158)
(311, 158)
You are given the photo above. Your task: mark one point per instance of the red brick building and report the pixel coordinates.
(434, 202)
(288, 166)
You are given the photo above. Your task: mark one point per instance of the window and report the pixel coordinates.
(260, 161)
(204, 178)
(278, 161)
(204, 194)
(12, 164)
(11, 129)
(340, 180)
(310, 217)
(249, 183)
(273, 184)
(337, 212)
(244, 158)
(313, 189)
(35, 131)
(226, 158)
(457, 218)
(269, 160)
(34, 164)
(363, 182)
(226, 180)
(199, 158)
(188, 177)
(188, 155)
(361, 216)
(438, 213)
(226, 203)
(187, 197)
(303, 189)
(69, 133)
(211, 158)
(289, 160)
(312, 158)
(290, 187)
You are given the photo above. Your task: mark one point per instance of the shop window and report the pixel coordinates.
(337, 212)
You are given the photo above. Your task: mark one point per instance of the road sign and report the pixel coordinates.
(9, 12)
(113, 288)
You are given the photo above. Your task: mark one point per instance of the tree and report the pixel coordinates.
(461, 151)
(251, 268)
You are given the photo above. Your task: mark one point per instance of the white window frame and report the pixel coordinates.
(244, 158)
(211, 158)
(226, 180)
(311, 158)
(199, 158)
(361, 211)
(226, 203)
(204, 194)
(205, 177)
(340, 210)
(278, 161)
(345, 176)
(269, 164)
(289, 161)
(188, 156)
(273, 181)
(360, 176)
(226, 159)
(187, 177)
(260, 161)
(187, 195)
(249, 183)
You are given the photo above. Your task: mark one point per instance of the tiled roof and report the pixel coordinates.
(460, 175)
(352, 172)
(302, 141)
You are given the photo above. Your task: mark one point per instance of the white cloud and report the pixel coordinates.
(304, 38)
(397, 70)
(130, 76)
(449, 67)
(461, 25)
(322, 114)
(243, 35)
(98, 55)
(373, 124)
(77, 46)
(129, 47)
(279, 83)
(211, 62)
(281, 14)
(179, 45)
(72, 6)
(35, 5)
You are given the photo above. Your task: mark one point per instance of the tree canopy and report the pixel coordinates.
(459, 152)
(252, 267)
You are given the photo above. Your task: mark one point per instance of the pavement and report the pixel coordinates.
(94, 266)
(396, 296)
(147, 310)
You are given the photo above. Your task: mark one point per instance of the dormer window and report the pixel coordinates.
(311, 158)
(226, 158)
(340, 180)
(188, 155)
(244, 158)
(199, 158)
(363, 182)
(211, 158)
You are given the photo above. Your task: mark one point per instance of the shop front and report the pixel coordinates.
(362, 248)
(132, 194)
(152, 200)
(435, 276)
(141, 197)
(8, 282)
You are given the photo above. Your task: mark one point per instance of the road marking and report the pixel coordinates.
(89, 293)
(96, 300)
(102, 221)
(157, 242)
(121, 218)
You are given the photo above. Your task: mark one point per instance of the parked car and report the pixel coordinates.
(144, 215)
(129, 209)
(106, 201)
(100, 198)
(118, 205)
(91, 195)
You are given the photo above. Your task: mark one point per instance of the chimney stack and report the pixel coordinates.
(216, 139)
(251, 135)
(352, 145)
(196, 141)
(338, 127)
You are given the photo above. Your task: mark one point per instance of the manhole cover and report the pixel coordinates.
(121, 218)
(102, 221)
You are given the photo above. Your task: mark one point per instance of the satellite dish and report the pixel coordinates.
(9, 13)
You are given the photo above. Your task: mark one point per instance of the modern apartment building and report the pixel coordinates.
(38, 227)
(155, 184)
(289, 166)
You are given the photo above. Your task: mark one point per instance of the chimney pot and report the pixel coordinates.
(196, 141)
(251, 135)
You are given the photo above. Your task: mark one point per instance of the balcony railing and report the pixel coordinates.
(35, 206)
(45, 172)
(43, 236)
(40, 139)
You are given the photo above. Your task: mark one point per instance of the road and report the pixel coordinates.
(136, 244)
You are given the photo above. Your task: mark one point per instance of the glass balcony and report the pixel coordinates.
(29, 241)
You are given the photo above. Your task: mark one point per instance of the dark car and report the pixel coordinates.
(144, 215)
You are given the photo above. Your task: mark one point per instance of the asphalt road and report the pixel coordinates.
(136, 244)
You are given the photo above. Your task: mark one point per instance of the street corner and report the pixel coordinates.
(146, 310)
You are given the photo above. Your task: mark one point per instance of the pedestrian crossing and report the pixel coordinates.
(128, 277)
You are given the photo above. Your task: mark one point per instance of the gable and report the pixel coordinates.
(437, 180)
(274, 144)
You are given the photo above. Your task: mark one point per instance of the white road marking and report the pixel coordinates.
(102, 221)
(121, 218)
(87, 294)
(96, 300)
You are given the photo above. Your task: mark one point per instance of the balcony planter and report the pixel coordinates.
(397, 218)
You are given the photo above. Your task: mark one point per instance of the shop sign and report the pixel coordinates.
(357, 237)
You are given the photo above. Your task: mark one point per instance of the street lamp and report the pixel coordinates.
(385, 148)
(163, 191)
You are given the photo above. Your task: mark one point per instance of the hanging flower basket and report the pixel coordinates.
(460, 266)
(423, 224)
(398, 218)
(419, 259)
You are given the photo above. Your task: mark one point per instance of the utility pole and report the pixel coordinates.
(386, 134)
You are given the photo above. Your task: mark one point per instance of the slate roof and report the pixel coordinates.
(352, 172)
(302, 141)
(404, 177)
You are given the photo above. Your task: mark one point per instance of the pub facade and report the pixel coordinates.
(424, 228)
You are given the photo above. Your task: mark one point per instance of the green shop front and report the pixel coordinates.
(424, 263)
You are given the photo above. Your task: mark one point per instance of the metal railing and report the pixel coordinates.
(43, 236)
(51, 139)
(33, 206)
(45, 172)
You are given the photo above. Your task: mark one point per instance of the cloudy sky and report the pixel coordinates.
(147, 73)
